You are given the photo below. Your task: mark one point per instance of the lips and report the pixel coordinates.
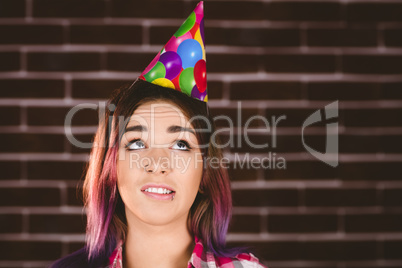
(158, 191)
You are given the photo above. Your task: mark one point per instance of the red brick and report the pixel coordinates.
(32, 143)
(341, 197)
(371, 171)
(334, 250)
(12, 8)
(31, 34)
(245, 224)
(10, 223)
(232, 115)
(74, 246)
(159, 35)
(304, 11)
(359, 144)
(222, 141)
(56, 116)
(368, 223)
(314, 251)
(225, 63)
(74, 196)
(269, 251)
(10, 116)
(10, 61)
(57, 223)
(29, 250)
(105, 34)
(215, 90)
(392, 249)
(84, 138)
(265, 90)
(300, 63)
(392, 37)
(292, 117)
(390, 144)
(294, 143)
(68, 8)
(306, 223)
(234, 10)
(29, 197)
(32, 88)
(342, 37)
(343, 90)
(10, 170)
(299, 170)
(372, 64)
(64, 61)
(391, 91)
(55, 170)
(268, 197)
(392, 197)
(284, 143)
(131, 62)
(373, 12)
(373, 117)
(96, 89)
(253, 37)
(235, 36)
(242, 174)
(148, 9)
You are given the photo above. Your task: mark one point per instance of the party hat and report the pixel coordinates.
(181, 64)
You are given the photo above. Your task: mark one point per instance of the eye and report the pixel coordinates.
(181, 145)
(135, 145)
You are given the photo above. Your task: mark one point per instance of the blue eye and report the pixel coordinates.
(135, 145)
(181, 145)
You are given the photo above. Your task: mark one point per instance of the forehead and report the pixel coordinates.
(164, 112)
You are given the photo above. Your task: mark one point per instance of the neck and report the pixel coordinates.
(148, 245)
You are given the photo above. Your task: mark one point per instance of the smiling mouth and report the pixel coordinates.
(159, 193)
(158, 190)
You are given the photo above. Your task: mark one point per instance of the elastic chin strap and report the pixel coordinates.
(134, 82)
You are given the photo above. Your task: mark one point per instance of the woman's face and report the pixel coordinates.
(159, 165)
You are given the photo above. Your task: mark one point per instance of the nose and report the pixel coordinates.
(158, 162)
(155, 168)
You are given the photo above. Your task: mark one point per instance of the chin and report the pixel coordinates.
(155, 215)
(158, 219)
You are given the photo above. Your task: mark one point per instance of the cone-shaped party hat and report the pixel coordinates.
(181, 64)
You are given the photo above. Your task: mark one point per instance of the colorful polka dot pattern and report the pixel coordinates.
(181, 64)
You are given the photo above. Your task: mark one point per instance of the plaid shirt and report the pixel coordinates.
(200, 259)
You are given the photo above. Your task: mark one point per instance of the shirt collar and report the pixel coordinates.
(200, 258)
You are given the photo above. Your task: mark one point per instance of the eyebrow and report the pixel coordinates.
(171, 129)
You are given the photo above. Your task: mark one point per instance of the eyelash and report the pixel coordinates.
(178, 141)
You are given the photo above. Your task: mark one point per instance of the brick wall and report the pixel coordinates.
(277, 57)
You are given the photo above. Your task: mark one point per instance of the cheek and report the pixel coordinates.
(195, 171)
(126, 172)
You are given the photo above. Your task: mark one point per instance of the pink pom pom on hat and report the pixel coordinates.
(181, 64)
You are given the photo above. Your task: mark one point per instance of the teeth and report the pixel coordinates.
(158, 190)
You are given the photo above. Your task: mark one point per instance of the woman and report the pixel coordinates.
(152, 198)
(132, 225)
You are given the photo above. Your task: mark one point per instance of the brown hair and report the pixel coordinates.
(210, 213)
